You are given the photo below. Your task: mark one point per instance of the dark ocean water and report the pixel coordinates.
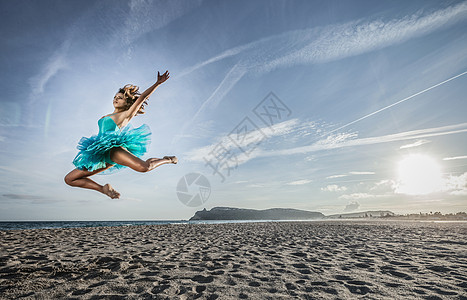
(76, 224)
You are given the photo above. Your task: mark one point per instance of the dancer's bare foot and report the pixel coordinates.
(109, 191)
(173, 159)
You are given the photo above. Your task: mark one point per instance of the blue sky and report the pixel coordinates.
(374, 113)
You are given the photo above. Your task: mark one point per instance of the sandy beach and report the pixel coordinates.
(271, 260)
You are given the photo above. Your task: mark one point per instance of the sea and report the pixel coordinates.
(19, 225)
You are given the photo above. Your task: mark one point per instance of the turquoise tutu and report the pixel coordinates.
(94, 152)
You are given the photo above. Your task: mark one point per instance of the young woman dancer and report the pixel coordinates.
(117, 145)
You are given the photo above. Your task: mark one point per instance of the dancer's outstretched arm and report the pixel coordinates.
(131, 112)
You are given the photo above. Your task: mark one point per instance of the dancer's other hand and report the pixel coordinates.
(162, 78)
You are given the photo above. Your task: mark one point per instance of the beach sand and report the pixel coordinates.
(270, 260)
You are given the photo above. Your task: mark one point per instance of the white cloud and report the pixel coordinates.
(414, 144)
(146, 16)
(56, 63)
(355, 196)
(227, 83)
(225, 145)
(299, 182)
(353, 38)
(361, 173)
(385, 185)
(455, 157)
(256, 185)
(319, 45)
(349, 140)
(336, 176)
(241, 181)
(333, 42)
(457, 185)
(353, 205)
(335, 141)
(334, 188)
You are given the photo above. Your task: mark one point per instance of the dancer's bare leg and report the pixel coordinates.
(123, 157)
(79, 178)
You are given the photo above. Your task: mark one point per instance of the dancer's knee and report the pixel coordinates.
(69, 179)
(143, 167)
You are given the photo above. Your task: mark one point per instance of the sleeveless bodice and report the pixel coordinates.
(107, 124)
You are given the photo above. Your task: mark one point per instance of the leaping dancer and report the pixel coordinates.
(117, 145)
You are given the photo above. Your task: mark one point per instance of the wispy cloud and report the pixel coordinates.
(32, 199)
(414, 144)
(299, 182)
(257, 185)
(226, 144)
(145, 16)
(333, 42)
(22, 196)
(349, 141)
(361, 173)
(336, 176)
(233, 76)
(360, 196)
(319, 45)
(334, 188)
(56, 62)
(334, 141)
(455, 157)
(396, 103)
(354, 38)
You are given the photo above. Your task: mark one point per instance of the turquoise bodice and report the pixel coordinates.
(107, 124)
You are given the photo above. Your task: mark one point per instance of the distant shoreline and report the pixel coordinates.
(33, 225)
(234, 213)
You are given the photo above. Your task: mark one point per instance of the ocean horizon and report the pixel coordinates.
(20, 225)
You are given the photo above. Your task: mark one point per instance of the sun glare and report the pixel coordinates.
(418, 174)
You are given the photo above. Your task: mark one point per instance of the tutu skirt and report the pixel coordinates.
(94, 152)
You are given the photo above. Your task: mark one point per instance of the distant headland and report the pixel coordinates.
(232, 213)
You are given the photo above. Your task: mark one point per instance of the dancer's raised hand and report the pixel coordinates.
(162, 78)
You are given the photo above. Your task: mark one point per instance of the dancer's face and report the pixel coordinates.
(119, 101)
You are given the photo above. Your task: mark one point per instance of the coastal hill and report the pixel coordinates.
(231, 213)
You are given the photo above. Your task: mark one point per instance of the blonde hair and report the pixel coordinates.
(131, 94)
